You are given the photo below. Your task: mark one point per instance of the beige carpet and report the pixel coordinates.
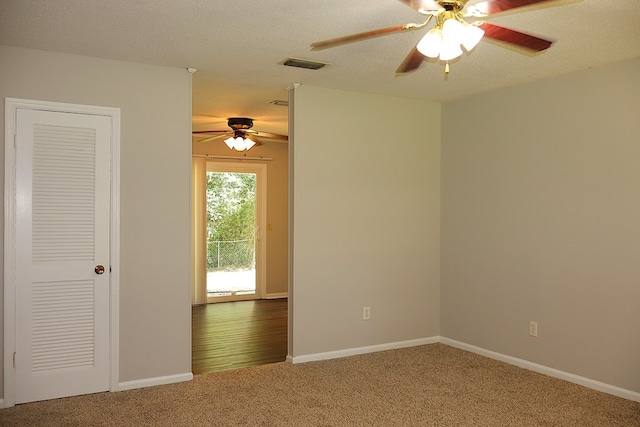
(432, 385)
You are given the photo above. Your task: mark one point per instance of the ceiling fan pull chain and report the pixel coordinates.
(446, 68)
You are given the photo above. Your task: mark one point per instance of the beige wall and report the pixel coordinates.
(277, 205)
(155, 162)
(540, 213)
(540, 208)
(366, 219)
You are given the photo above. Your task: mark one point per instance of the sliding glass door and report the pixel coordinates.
(235, 243)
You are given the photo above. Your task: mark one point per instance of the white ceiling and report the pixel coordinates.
(238, 46)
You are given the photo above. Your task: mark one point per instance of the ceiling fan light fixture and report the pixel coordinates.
(431, 43)
(231, 143)
(472, 36)
(249, 143)
(453, 31)
(443, 40)
(239, 143)
(450, 49)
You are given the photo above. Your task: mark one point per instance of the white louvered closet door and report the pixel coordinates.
(62, 237)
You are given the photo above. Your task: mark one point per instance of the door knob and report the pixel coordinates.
(99, 269)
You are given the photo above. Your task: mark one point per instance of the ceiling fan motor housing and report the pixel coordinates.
(237, 123)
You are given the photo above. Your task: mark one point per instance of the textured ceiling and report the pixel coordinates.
(238, 46)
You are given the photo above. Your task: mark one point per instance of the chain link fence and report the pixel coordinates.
(230, 255)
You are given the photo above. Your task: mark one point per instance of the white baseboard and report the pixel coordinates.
(361, 350)
(277, 295)
(150, 382)
(541, 369)
(545, 370)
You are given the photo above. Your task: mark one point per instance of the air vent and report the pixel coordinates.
(279, 102)
(303, 63)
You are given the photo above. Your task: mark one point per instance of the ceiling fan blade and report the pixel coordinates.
(206, 132)
(256, 141)
(527, 41)
(326, 44)
(211, 138)
(430, 7)
(201, 133)
(490, 7)
(269, 135)
(411, 63)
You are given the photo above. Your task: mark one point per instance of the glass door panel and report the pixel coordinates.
(231, 236)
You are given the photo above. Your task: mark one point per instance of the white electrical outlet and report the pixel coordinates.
(366, 313)
(533, 329)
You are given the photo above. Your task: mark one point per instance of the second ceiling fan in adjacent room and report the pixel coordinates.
(241, 137)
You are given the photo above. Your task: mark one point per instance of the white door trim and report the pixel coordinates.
(11, 107)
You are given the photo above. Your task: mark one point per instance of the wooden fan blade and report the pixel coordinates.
(211, 138)
(514, 37)
(490, 7)
(256, 141)
(411, 63)
(326, 44)
(269, 135)
(220, 134)
(205, 132)
(424, 6)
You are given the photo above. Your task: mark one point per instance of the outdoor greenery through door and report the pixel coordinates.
(231, 234)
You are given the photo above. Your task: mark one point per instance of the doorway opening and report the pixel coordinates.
(231, 234)
(246, 326)
(231, 227)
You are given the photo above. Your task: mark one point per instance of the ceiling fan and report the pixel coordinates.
(241, 137)
(450, 31)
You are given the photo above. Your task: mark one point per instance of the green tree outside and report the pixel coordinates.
(231, 210)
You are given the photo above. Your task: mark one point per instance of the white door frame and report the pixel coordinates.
(11, 107)
(260, 170)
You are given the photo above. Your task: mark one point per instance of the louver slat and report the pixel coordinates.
(63, 193)
(63, 325)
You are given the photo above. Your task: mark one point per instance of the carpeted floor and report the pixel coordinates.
(431, 385)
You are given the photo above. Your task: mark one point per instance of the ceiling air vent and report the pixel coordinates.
(303, 63)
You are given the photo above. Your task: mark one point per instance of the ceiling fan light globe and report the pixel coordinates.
(472, 36)
(248, 143)
(240, 145)
(450, 50)
(431, 43)
(453, 31)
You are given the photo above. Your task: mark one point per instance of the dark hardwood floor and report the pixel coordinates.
(232, 335)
